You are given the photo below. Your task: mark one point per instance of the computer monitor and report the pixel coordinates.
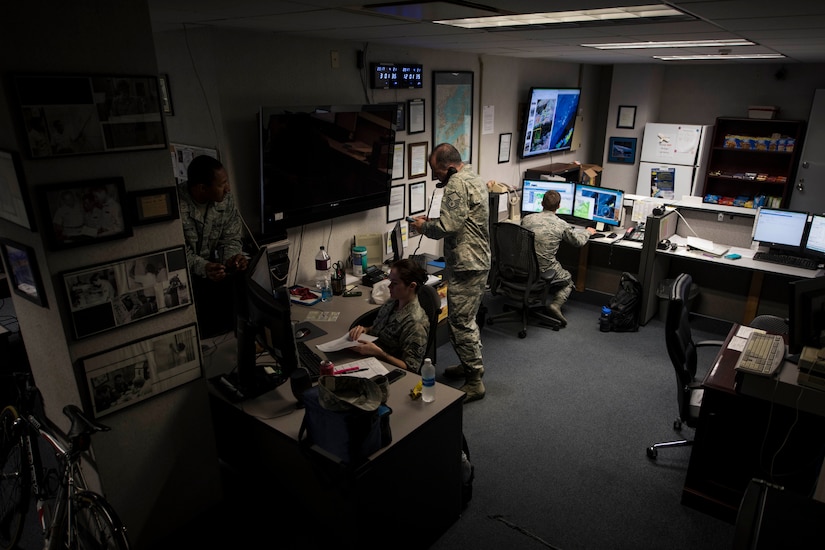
(264, 317)
(397, 242)
(532, 193)
(806, 314)
(815, 242)
(598, 204)
(780, 229)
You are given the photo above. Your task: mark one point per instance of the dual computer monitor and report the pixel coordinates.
(583, 202)
(799, 233)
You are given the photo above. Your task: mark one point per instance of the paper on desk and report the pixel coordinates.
(323, 316)
(344, 342)
(741, 337)
(374, 367)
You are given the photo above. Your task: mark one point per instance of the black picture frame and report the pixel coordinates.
(22, 270)
(110, 295)
(84, 212)
(126, 375)
(453, 111)
(626, 117)
(622, 150)
(15, 205)
(65, 115)
(153, 205)
(418, 197)
(504, 144)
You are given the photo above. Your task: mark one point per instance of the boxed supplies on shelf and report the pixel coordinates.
(763, 111)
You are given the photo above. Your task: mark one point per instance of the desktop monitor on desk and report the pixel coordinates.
(815, 241)
(264, 317)
(806, 314)
(780, 229)
(598, 204)
(532, 193)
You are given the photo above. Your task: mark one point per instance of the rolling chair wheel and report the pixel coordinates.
(522, 334)
(652, 453)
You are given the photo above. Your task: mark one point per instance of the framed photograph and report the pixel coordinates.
(395, 210)
(418, 197)
(153, 205)
(453, 111)
(15, 205)
(84, 212)
(622, 150)
(165, 95)
(504, 141)
(418, 160)
(627, 117)
(398, 150)
(74, 115)
(126, 375)
(21, 267)
(111, 295)
(415, 110)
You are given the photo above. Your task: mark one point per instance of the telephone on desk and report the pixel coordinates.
(373, 275)
(635, 233)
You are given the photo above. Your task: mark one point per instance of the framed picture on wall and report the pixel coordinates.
(107, 296)
(453, 111)
(622, 150)
(153, 205)
(126, 375)
(398, 151)
(14, 198)
(396, 208)
(626, 117)
(75, 115)
(415, 111)
(418, 197)
(84, 212)
(418, 160)
(23, 273)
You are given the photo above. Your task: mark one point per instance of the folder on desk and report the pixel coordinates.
(707, 246)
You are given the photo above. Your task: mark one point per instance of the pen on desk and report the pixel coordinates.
(351, 369)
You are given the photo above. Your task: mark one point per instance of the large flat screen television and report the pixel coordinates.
(319, 163)
(549, 121)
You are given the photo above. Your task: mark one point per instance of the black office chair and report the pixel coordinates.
(517, 277)
(682, 352)
(771, 323)
(430, 302)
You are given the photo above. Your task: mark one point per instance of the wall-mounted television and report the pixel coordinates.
(318, 163)
(549, 121)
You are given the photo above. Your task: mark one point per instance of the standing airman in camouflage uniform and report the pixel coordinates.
(464, 226)
(550, 231)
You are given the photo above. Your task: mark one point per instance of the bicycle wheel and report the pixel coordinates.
(14, 481)
(96, 525)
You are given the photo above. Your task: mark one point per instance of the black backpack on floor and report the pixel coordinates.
(467, 473)
(626, 305)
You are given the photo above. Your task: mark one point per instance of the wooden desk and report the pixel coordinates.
(742, 436)
(385, 497)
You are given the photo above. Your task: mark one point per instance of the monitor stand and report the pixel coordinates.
(248, 380)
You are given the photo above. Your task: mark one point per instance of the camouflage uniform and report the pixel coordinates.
(464, 226)
(550, 231)
(402, 333)
(219, 229)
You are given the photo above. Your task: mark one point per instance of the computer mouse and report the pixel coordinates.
(612, 236)
(301, 332)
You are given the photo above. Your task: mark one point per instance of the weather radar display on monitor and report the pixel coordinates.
(549, 121)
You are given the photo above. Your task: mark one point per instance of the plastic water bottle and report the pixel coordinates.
(604, 319)
(428, 381)
(322, 267)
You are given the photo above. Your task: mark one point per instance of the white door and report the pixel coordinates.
(808, 194)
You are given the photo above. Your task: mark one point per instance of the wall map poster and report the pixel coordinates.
(453, 110)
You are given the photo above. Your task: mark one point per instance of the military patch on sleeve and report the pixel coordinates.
(453, 200)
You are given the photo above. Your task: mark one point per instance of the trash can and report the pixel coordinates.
(663, 293)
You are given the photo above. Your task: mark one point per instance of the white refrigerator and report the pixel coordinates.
(673, 160)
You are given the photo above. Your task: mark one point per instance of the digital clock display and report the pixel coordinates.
(386, 76)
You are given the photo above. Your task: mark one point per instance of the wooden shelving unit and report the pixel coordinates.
(753, 157)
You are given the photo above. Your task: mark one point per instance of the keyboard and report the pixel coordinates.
(786, 259)
(310, 360)
(762, 355)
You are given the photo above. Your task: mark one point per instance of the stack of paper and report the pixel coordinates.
(707, 246)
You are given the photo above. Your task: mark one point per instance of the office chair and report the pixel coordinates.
(770, 323)
(682, 352)
(517, 277)
(430, 302)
